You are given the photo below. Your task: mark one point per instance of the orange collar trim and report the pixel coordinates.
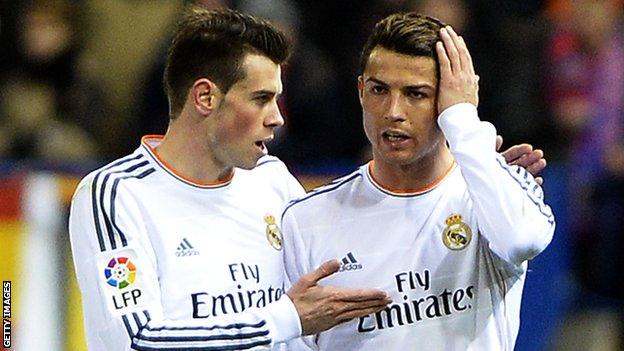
(407, 193)
(146, 142)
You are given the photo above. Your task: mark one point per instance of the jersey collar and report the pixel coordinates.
(149, 144)
(399, 193)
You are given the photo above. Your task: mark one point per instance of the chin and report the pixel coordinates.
(248, 164)
(397, 158)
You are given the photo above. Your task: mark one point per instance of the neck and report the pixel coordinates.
(414, 177)
(185, 149)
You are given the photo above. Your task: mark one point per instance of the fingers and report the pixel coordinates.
(360, 312)
(499, 143)
(320, 308)
(539, 180)
(515, 152)
(362, 305)
(358, 295)
(326, 269)
(467, 58)
(445, 64)
(458, 53)
(358, 305)
(536, 167)
(458, 83)
(524, 156)
(529, 160)
(451, 48)
(463, 57)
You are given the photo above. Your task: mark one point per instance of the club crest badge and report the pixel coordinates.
(457, 234)
(273, 234)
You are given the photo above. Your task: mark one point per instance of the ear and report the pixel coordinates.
(360, 87)
(203, 97)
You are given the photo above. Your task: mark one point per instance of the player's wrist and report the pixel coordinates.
(283, 320)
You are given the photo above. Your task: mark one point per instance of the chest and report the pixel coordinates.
(405, 248)
(222, 251)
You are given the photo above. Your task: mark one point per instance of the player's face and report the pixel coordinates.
(398, 96)
(248, 114)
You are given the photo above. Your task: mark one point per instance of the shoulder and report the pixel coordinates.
(270, 164)
(270, 168)
(109, 176)
(330, 192)
(270, 160)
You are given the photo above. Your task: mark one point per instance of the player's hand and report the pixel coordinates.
(458, 81)
(322, 307)
(524, 156)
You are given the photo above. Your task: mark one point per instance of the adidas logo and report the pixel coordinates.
(349, 263)
(186, 249)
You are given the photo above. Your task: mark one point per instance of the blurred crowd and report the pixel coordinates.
(81, 80)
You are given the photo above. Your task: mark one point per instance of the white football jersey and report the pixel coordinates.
(452, 257)
(166, 263)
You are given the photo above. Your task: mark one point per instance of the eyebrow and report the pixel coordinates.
(375, 80)
(409, 87)
(266, 92)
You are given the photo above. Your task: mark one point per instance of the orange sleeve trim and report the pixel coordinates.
(410, 192)
(145, 142)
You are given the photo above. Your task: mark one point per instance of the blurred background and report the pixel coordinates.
(80, 83)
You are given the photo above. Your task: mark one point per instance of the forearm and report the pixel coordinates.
(507, 201)
(277, 322)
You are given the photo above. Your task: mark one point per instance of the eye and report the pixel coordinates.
(416, 94)
(262, 99)
(378, 89)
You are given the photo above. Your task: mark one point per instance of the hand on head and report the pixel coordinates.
(458, 81)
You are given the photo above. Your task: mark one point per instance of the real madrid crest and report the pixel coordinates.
(273, 233)
(457, 234)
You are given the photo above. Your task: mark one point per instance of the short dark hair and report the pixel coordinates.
(405, 33)
(213, 44)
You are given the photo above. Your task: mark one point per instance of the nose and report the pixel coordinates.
(274, 118)
(396, 109)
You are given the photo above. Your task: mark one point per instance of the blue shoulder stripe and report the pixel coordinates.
(100, 195)
(144, 174)
(107, 216)
(94, 204)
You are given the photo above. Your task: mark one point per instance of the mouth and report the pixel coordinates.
(261, 144)
(395, 136)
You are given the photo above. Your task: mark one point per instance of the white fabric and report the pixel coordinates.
(443, 299)
(200, 253)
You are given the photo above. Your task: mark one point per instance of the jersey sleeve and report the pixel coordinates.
(117, 272)
(295, 190)
(296, 263)
(508, 203)
(296, 257)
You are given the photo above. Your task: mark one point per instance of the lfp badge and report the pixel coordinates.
(120, 272)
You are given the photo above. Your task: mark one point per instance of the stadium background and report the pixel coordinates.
(80, 83)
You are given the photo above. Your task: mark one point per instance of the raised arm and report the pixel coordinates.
(508, 202)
